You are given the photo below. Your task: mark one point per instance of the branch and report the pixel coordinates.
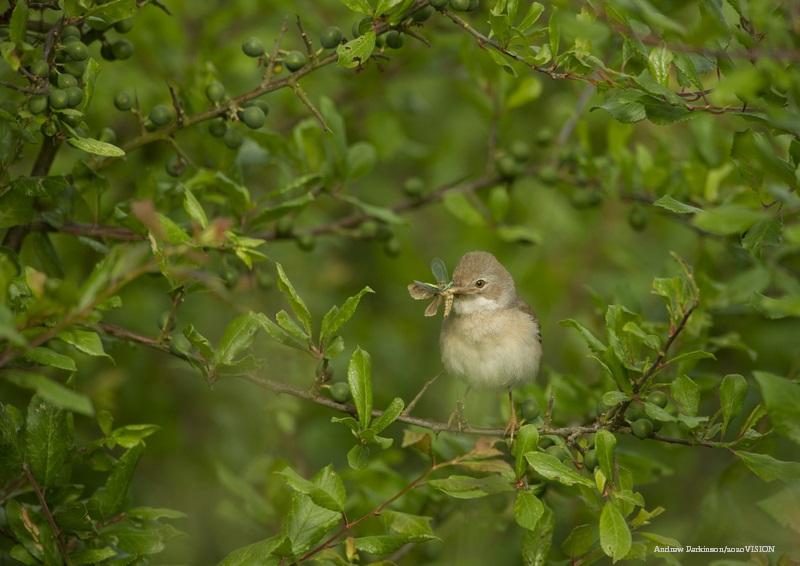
(40, 496)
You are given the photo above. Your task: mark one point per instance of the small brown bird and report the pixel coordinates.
(492, 339)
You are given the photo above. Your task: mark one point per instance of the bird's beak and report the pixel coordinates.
(459, 290)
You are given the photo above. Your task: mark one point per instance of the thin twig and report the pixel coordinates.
(422, 391)
(43, 502)
(301, 94)
(307, 40)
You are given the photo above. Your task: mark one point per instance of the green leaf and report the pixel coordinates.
(694, 355)
(258, 553)
(17, 27)
(536, 544)
(579, 541)
(289, 325)
(386, 544)
(458, 204)
(48, 440)
(361, 159)
(356, 51)
(129, 436)
(381, 213)
(84, 341)
(686, 393)
(553, 469)
(33, 532)
(358, 457)
(519, 234)
(466, 487)
(280, 335)
(528, 510)
(237, 336)
(332, 498)
(47, 357)
(625, 106)
(784, 507)
(605, 444)
(194, 209)
(659, 62)
(360, 380)
(389, 415)
(768, 468)
(678, 207)
(40, 186)
(728, 219)
(52, 392)
(336, 317)
(612, 398)
(11, 442)
(406, 523)
(782, 399)
(553, 33)
(96, 147)
(111, 12)
(527, 440)
(113, 496)
(615, 536)
(199, 342)
(527, 90)
(298, 305)
(732, 392)
(359, 6)
(15, 209)
(765, 233)
(534, 11)
(594, 344)
(385, 5)
(306, 523)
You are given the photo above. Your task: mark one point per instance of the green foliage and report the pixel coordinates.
(176, 206)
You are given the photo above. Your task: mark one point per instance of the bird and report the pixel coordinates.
(492, 339)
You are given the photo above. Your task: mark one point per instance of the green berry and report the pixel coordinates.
(230, 275)
(473, 5)
(49, 129)
(362, 26)
(590, 460)
(657, 425)
(394, 39)
(160, 115)
(658, 398)
(601, 408)
(295, 61)
(393, 247)
(368, 229)
(632, 413)
(233, 138)
(331, 37)
(107, 135)
(253, 47)
(306, 242)
(217, 128)
(439, 4)
(548, 175)
(422, 15)
(175, 166)
(122, 49)
(263, 104)
(77, 51)
(215, 92)
(107, 52)
(179, 345)
(530, 410)
(544, 137)
(74, 96)
(637, 218)
(557, 451)
(69, 39)
(66, 81)
(520, 150)
(340, 392)
(58, 99)
(414, 186)
(253, 117)
(264, 279)
(123, 101)
(37, 104)
(460, 5)
(284, 227)
(40, 68)
(508, 167)
(70, 31)
(642, 428)
(585, 198)
(74, 68)
(124, 26)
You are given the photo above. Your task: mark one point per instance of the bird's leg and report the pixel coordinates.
(458, 414)
(513, 423)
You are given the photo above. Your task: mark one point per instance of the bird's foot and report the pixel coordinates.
(512, 426)
(457, 417)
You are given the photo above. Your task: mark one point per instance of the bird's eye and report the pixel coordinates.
(480, 283)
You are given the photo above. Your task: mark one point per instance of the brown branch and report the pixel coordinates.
(40, 496)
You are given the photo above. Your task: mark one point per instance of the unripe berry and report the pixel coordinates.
(77, 50)
(160, 115)
(215, 92)
(295, 61)
(253, 47)
(58, 99)
(252, 116)
(331, 37)
(233, 138)
(122, 49)
(123, 101)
